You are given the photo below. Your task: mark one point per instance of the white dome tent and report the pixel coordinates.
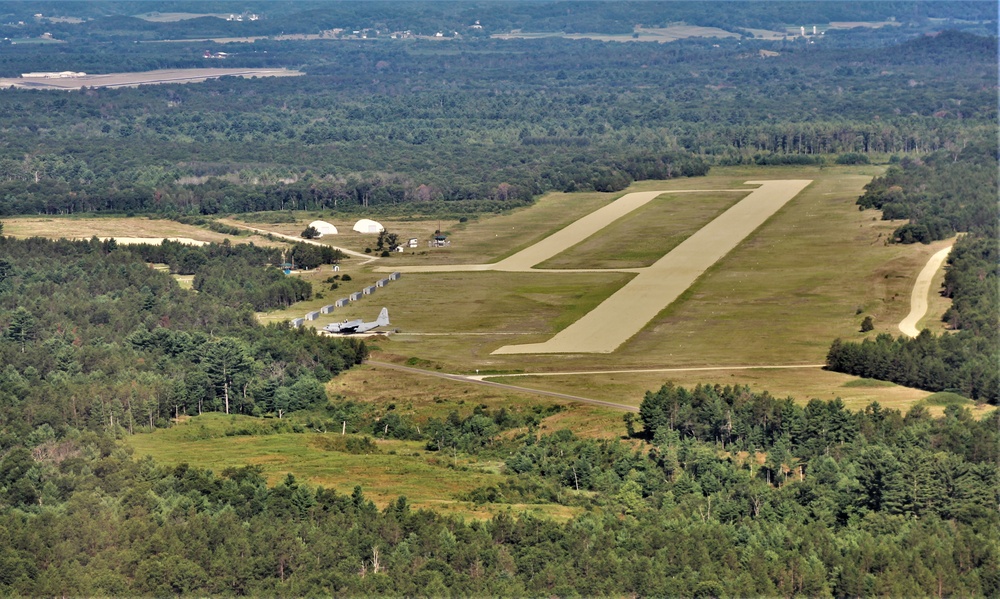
(368, 226)
(323, 227)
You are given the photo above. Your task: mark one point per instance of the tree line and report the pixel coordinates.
(852, 503)
(944, 193)
(488, 128)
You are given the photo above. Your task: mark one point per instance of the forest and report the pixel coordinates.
(95, 338)
(485, 126)
(711, 491)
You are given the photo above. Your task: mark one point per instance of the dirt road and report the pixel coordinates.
(368, 258)
(918, 298)
(478, 381)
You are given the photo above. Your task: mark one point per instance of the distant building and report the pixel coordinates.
(368, 226)
(323, 227)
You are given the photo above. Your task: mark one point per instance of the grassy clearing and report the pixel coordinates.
(427, 479)
(484, 239)
(423, 397)
(780, 297)
(454, 309)
(645, 235)
(947, 398)
(867, 383)
(73, 227)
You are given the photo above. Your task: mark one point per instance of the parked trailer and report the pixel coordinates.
(395, 276)
(326, 309)
(382, 282)
(312, 315)
(368, 290)
(355, 296)
(342, 302)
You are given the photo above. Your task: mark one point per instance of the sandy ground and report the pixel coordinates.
(918, 299)
(143, 78)
(624, 314)
(151, 240)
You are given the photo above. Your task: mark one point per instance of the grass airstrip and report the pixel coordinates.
(808, 275)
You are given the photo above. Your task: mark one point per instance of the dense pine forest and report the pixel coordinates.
(95, 338)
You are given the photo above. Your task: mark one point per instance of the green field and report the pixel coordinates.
(645, 235)
(427, 479)
(806, 277)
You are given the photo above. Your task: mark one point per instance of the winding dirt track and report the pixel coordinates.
(921, 289)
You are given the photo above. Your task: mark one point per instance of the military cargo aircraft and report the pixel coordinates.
(358, 326)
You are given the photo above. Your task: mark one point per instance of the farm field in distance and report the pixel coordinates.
(85, 227)
(141, 78)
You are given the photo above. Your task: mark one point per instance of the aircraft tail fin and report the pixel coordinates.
(383, 318)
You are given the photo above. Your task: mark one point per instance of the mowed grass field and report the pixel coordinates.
(806, 277)
(643, 236)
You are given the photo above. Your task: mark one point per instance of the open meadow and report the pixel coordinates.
(802, 279)
(119, 227)
(390, 468)
(808, 275)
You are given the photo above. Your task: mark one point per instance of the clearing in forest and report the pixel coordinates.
(622, 315)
